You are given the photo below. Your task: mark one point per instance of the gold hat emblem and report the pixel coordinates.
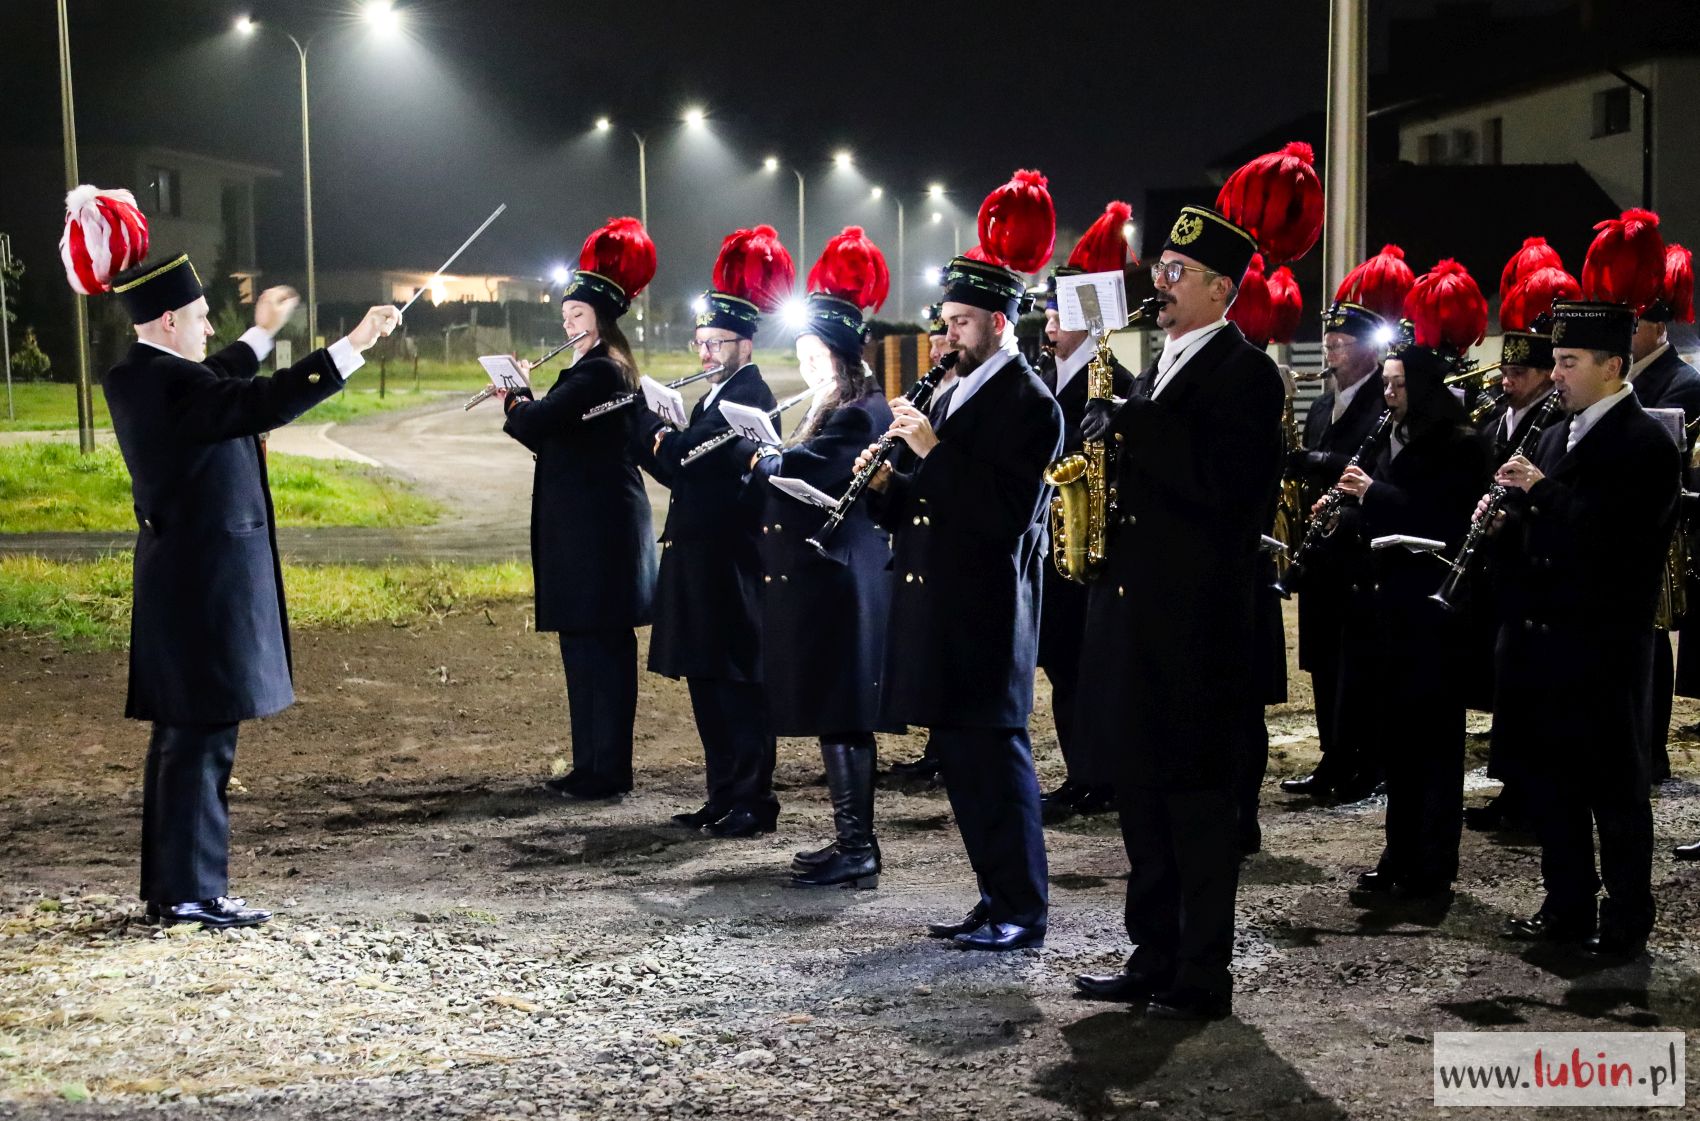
(1516, 351)
(1558, 333)
(1187, 229)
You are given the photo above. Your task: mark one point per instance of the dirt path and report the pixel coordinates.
(453, 943)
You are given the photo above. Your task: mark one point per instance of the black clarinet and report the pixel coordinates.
(1459, 568)
(1321, 522)
(920, 396)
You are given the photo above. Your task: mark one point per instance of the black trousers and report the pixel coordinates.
(1248, 784)
(1183, 873)
(1424, 764)
(737, 746)
(1659, 705)
(186, 812)
(602, 690)
(1337, 763)
(1567, 807)
(1064, 676)
(994, 794)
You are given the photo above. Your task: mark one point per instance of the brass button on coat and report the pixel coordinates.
(313, 379)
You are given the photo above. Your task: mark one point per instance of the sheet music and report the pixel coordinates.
(751, 424)
(1673, 420)
(666, 403)
(504, 371)
(1074, 294)
(803, 492)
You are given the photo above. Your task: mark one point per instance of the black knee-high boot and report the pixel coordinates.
(854, 857)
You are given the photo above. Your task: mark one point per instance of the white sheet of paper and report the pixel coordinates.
(666, 403)
(1111, 290)
(1404, 540)
(504, 371)
(751, 424)
(803, 492)
(1673, 420)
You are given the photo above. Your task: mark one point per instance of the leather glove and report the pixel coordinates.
(1100, 418)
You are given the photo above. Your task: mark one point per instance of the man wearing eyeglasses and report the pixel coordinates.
(1170, 684)
(1339, 420)
(707, 596)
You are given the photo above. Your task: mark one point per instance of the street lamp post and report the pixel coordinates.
(68, 125)
(771, 165)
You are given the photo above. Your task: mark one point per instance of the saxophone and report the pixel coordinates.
(1085, 501)
(1289, 527)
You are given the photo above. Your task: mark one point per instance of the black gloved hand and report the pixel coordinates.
(522, 393)
(1100, 418)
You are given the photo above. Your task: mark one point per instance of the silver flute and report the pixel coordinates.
(614, 404)
(490, 390)
(726, 437)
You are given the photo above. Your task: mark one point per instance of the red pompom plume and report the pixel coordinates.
(1447, 308)
(978, 253)
(1679, 283)
(1535, 254)
(1018, 224)
(753, 266)
(104, 234)
(1278, 198)
(1626, 262)
(1533, 296)
(852, 268)
(1103, 247)
(1380, 283)
(1286, 303)
(1252, 310)
(622, 252)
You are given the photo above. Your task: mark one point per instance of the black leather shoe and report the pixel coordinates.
(1095, 800)
(812, 858)
(1358, 790)
(926, 766)
(696, 819)
(1314, 785)
(212, 914)
(565, 785)
(1615, 945)
(1687, 852)
(1374, 882)
(1124, 987)
(1541, 927)
(1189, 1004)
(587, 786)
(1001, 936)
(848, 867)
(746, 823)
(975, 919)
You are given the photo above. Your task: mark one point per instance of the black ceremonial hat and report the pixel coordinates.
(1345, 318)
(1584, 325)
(1211, 240)
(1526, 348)
(984, 285)
(727, 312)
(148, 291)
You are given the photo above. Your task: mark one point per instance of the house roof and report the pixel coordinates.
(1464, 95)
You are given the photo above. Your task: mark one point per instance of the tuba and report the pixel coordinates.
(1086, 498)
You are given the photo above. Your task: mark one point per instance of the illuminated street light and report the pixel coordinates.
(382, 16)
(561, 274)
(935, 191)
(771, 164)
(877, 193)
(603, 124)
(695, 116)
(245, 25)
(842, 160)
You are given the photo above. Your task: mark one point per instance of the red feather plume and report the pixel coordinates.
(1447, 308)
(1278, 198)
(1679, 282)
(852, 268)
(1626, 262)
(753, 266)
(622, 252)
(1288, 304)
(1380, 283)
(1103, 247)
(1018, 223)
(1535, 254)
(1533, 296)
(105, 233)
(1253, 311)
(978, 253)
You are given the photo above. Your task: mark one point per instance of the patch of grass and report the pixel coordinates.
(87, 603)
(54, 487)
(45, 405)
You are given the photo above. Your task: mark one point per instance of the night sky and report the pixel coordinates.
(415, 141)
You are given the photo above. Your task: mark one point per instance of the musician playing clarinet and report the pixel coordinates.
(592, 541)
(824, 612)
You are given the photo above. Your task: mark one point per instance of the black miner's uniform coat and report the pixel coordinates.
(209, 636)
(968, 542)
(708, 596)
(824, 620)
(592, 543)
(1170, 683)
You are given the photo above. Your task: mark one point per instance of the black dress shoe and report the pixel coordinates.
(1542, 927)
(588, 787)
(1065, 794)
(1124, 987)
(746, 823)
(1615, 945)
(1095, 800)
(847, 867)
(565, 785)
(1358, 790)
(976, 918)
(212, 914)
(1189, 1004)
(1687, 852)
(1374, 882)
(696, 819)
(1314, 785)
(813, 858)
(999, 936)
(927, 766)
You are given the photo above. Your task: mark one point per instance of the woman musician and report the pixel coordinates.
(824, 616)
(592, 544)
(1406, 651)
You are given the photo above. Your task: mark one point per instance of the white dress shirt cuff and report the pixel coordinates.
(259, 341)
(345, 358)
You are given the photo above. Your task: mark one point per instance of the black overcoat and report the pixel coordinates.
(209, 634)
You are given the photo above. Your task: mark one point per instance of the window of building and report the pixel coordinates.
(163, 185)
(1462, 147)
(1611, 111)
(1431, 148)
(1493, 140)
